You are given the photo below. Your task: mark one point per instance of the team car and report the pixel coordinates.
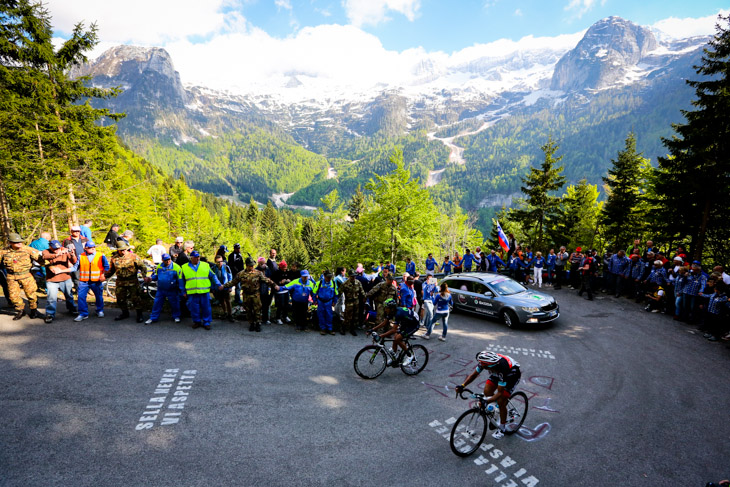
(501, 297)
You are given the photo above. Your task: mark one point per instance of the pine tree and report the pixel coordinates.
(577, 220)
(312, 240)
(622, 214)
(252, 215)
(539, 205)
(356, 204)
(692, 182)
(49, 128)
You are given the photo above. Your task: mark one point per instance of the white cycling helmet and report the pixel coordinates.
(488, 358)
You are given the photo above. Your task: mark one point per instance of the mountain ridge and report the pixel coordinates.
(611, 88)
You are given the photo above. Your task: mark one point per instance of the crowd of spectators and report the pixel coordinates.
(672, 284)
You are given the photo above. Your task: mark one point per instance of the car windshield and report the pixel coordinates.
(506, 287)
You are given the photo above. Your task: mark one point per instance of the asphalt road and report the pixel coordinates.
(619, 397)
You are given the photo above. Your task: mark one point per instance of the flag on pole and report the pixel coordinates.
(503, 241)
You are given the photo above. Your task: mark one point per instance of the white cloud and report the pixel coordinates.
(223, 51)
(373, 12)
(327, 58)
(580, 7)
(146, 22)
(341, 54)
(518, 13)
(286, 4)
(688, 27)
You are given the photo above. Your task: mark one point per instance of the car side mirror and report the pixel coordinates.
(489, 294)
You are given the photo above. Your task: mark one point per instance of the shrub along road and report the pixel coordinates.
(618, 397)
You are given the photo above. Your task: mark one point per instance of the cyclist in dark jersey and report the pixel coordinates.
(406, 322)
(504, 374)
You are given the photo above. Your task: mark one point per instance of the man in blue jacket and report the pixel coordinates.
(410, 266)
(325, 290)
(431, 264)
(301, 290)
(167, 276)
(494, 262)
(467, 260)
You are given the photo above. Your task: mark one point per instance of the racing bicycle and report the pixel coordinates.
(372, 360)
(470, 429)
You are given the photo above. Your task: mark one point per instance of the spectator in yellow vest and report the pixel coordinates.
(195, 286)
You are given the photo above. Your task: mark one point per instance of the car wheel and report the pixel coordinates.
(510, 318)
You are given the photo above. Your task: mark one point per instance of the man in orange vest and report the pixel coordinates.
(91, 268)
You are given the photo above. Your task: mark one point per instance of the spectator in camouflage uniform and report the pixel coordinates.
(354, 294)
(251, 281)
(126, 264)
(16, 260)
(382, 292)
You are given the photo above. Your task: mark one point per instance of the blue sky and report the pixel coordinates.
(452, 25)
(236, 44)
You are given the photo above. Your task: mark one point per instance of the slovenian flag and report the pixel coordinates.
(503, 242)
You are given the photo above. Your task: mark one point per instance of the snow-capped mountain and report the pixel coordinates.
(613, 52)
(488, 110)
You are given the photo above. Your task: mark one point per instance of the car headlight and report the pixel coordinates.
(530, 309)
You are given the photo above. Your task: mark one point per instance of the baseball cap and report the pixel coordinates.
(678, 258)
(304, 273)
(55, 244)
(75, 228)
(351, 272)
(166, 257)
(283, 264)
(237, 246)
(179, 239)
(194, 253)
(89, 245)
(697, 262)
(578, 249)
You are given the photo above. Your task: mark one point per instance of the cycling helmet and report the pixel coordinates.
(390, 304)
(488, 358)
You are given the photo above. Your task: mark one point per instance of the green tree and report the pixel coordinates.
(49, 127)
(312, 240)
(356, 204)
(402, 220)
(692, 182)
(539, 205)
(577, 219)
(623, 214)
(269, 217)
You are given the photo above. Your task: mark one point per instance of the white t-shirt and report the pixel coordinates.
(156, 252)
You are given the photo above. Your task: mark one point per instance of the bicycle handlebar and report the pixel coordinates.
(471, 393)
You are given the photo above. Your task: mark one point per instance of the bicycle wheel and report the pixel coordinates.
(420, 359)
(468, 432)
(517, 406)
(370, 362)
(111, 287)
